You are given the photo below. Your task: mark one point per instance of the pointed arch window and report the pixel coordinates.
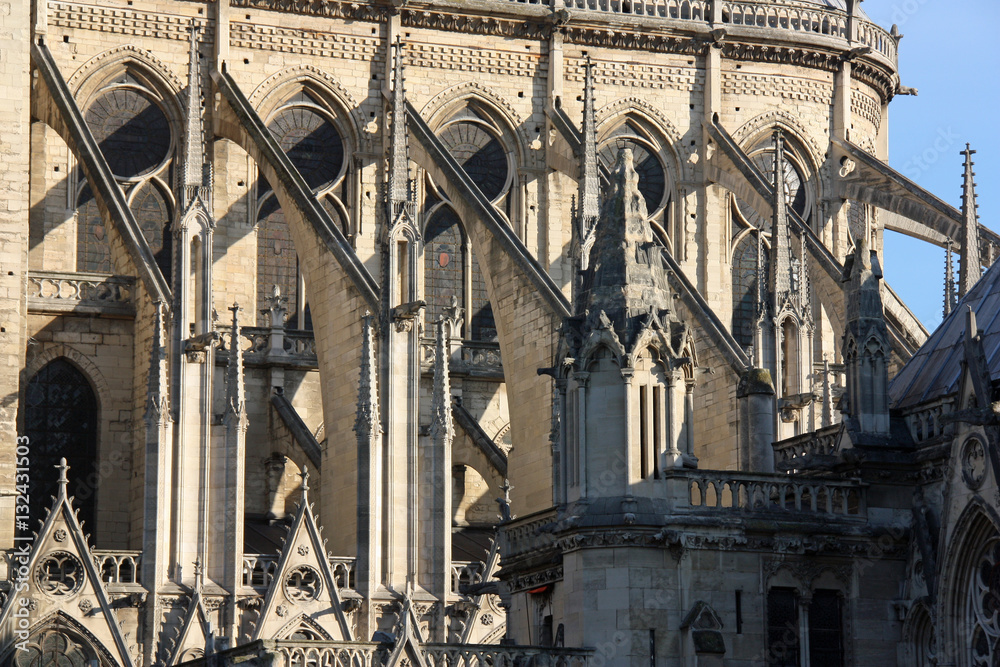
(55, 647)
(313, 140)
(134, 135)
(60, 416)
(749, 266)
(480, 143)
(452, 274)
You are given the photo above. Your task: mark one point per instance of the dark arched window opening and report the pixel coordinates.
(444, 272)
(93, 250)
(61, 421)
(745, 286)
(152, 212)
(443, 259)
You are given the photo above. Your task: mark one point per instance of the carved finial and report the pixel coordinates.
(949, 278)
(63, 469)
(277, 309)
(970, 268)
(781, 254)
(442, 428)
(305, 481)
(367, 422)
(199, 573)
(235, 390)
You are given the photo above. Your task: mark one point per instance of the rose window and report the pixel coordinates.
(131, 130)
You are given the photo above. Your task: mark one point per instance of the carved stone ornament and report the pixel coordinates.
(303, 550)
(281, 610)
(302, 584)
(60, 535)
(85, 605)
(974, 463)
(60, 574)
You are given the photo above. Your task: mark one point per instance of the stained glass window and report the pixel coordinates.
(443, 253)
(984, 607)
(93, 249)
(481, 155)
(61, 421)
(51, 648)
(782, 628)
(311, 142)
(745, 288)
(132, 131)
(152, 212)
(826, 638)
(483, 325)
(277, 263)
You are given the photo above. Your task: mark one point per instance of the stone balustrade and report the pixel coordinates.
(776, 495)
(473, 655)
(925, 420)
(466, 573)
(800, 17)
(259, 570)
(819, 443)
(291, 653)
(471, 357)
(88, 293)
(527, 534)
(118, 567)
(298, 348)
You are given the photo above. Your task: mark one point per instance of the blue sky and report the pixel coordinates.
(951, 53)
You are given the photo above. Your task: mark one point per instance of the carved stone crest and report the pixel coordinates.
(974, 463)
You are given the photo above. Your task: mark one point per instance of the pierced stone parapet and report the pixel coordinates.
(88, 293)
(259, 570)
(776, 495)
(119, 567)
(298, 347)
(926, 422)
(471, 357)
(817, 443)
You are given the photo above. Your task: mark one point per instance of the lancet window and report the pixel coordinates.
(60, 417)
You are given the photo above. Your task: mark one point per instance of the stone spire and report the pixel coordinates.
(779, 278)
(590, 183)
(442, 428)
(367, 423)
(399, 157)
(866, 344)
(235, 386)
(157, 391)
(970, 269)
(626, 277)
(195, 169)
(949, 278)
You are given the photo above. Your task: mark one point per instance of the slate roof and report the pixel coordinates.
(936, 368)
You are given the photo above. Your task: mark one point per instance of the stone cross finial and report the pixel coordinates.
(63, 468)
(199, 573)
(305, 481)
